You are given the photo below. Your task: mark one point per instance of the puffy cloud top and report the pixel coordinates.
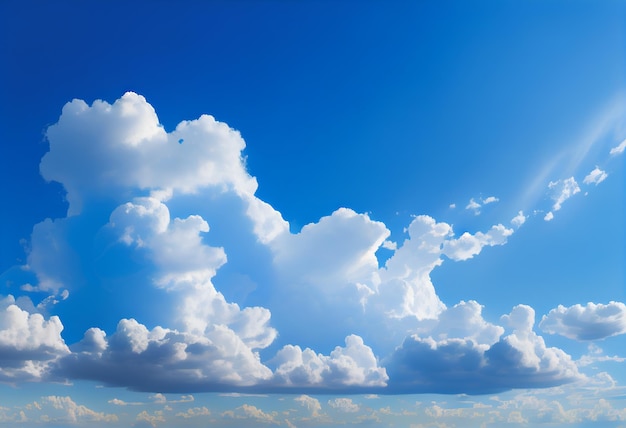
(590, 322)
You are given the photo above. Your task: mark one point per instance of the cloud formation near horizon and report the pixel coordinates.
(173, 218)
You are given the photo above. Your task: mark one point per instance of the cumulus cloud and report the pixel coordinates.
(519, 360)
(250, 412)
(468, 245)
(312, 404)
(194, 412)
(171, 219)
(160, 360)
(28, 342)
(590, 322)
(64, 409)
(352, 365)
(596, 176)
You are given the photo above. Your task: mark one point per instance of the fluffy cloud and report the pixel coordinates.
(519, 360)
(349, 366)
(28, 342)
(312, 404)
(72, 412)
(589, 322)
(122, 147)
(596, 176)
(251, 412)
(164, 360)
(468, 245)
(171, 220)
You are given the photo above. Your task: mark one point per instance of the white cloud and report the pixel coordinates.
(194, 412)
(596, 176)
(406, 289)
(549, 216)
(251, 412)
(344, 404)
(519, 219)
(596, 355)
(490, 200)
(464, 321)
(312, 404)
(351, 366)
(339, 249)
(28, 342)
(562, 190)
(150, 419)
(122, 146)
(72, 412)
(519, 360)
(589, 322)
(468, 245)
(619, 149)
(184, 219)
(473, 205)
(160, 360)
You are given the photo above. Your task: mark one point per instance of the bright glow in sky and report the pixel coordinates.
(313, 214)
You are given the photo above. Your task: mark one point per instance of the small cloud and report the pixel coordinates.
(473, 205)
(476, 206)
(519, 219)
(549, 216)
(452, 206)
(490, 200)
(596, 176)
(562, 190)
(344, 404)
(618, 150)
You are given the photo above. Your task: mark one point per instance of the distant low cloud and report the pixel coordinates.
(596, 176)
(590, 322)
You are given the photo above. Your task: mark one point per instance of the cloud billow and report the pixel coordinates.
(589, 322)
(157, 219)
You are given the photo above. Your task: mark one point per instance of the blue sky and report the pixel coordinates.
(312, 214)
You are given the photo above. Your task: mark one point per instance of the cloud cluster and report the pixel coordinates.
(590, 322)
(520, 359)
(209, 290)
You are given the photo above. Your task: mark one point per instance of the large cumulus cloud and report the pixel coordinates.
(208, 289)
(462, 365)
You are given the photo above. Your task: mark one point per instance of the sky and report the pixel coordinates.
(303, 214)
